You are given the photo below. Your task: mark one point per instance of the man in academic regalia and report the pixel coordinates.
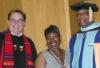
(81, 49)
(16, 50)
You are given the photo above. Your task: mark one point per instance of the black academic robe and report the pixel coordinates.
(19, 56)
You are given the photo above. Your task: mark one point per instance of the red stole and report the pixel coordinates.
(7, 49)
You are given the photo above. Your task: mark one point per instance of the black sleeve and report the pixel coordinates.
(34, 52)
(1, 40)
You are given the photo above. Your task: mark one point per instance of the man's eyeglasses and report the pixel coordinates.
(16, 21)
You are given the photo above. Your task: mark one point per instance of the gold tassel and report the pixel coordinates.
(90, 14)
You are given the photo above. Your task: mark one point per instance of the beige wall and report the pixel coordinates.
(74, 26)
(97, 15)
(41, 14)
(5, 7)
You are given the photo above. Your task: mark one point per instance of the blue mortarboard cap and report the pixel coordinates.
(85, 5)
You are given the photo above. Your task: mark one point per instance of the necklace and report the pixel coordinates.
(60, 58)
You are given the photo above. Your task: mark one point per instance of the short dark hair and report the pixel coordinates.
(18, 11)
(52, 29)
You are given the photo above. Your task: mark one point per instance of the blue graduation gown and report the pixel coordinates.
(81, 47)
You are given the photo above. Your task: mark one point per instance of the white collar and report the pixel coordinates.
(92, 26)
(12, 33)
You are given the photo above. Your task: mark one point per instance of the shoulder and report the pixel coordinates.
(30, 40)
(73, 36)
(2, 34)
(40, 57)
(46, 55)
(67, 51)
(43, 55)
(31, 43)
(97, 37)
(40, 61)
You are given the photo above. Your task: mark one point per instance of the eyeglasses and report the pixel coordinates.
(16, 21)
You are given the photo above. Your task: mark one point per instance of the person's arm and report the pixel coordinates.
(40, 61)
(34, 52)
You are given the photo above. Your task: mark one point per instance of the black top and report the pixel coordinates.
(19, 56)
